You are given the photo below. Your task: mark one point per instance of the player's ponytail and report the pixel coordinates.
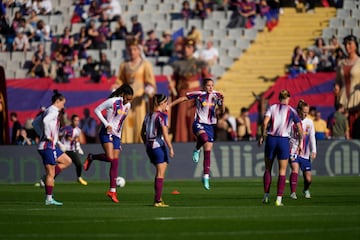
(124, 89)
(56, 96)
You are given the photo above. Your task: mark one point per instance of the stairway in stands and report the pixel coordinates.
(266, 58)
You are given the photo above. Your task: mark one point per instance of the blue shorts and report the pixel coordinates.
(158, 155)
(49, 156)
(305, 164)
(106, 138)
(277, 146)
(208, 128)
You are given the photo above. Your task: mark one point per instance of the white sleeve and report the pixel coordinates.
(312, 138)
(98, 111)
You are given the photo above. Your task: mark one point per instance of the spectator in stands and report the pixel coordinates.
(88, 126)
(93, 33)
(27, 29)
(347, 90)
(270, 14)
(199, 11)
(42, 31)
(49, 67)
(36, 70)
(210, 54)
(33, 19)
(224, 131)
(152, 44)
(23, 138)
(112, 9)
(105, 31)
(243, 125)
(45, 7)
(298, 62)
(319, 45)
(21, 42)
(186, 11)
(121, 32)
(338, 123)
(320, 125)
(166, 47)
(82, 42)
(16, 127)
(104, 67)
(66, 37)
(88, 70)
(15, 24)
(138, 73)
(312, 61)
(39, 52)
(137, 31)
(244, 15)
(94, 10)
(178, 52)
(187, 72)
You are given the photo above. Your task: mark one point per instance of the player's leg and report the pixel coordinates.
(293, 179)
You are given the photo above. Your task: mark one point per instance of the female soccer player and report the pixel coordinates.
(117, 107)
(155, 136)
(205, 119)
(47, 126)
(70, 141)
(302, 160)
(277, 124)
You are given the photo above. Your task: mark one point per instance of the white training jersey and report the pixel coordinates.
(205, 105)
(282, 116)
(68, 135)
(49, 126)
(116, 113)
(309, 141)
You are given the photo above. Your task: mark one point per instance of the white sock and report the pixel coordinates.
(279, 199)
(206, 175)
(49, 197)
(112, 189)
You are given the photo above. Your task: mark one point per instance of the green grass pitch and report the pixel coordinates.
(232, 209)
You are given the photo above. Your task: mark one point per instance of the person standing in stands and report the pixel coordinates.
(117, 107)
(88, 126)
(276, 129)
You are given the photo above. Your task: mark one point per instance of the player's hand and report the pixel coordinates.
(171, 152)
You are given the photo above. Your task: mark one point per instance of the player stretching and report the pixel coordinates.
(71, 145)
(117, 107)
(303, 160)
(205, 119)
(155, 135)
(47, 126)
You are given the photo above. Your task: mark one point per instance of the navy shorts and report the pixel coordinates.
(305, 164)
(158, 155)
(208, 128)
(49, 156)
(277, 146)
(106, 138)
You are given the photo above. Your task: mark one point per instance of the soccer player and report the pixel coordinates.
(117, 107)
(277, 125)
(47, 126)
(70, 142)
(155, 136)
(204, 121)
(302, 160)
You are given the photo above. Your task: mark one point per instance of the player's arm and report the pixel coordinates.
(167, 140)
(263, 129)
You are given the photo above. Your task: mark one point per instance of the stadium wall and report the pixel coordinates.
(22, 164)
